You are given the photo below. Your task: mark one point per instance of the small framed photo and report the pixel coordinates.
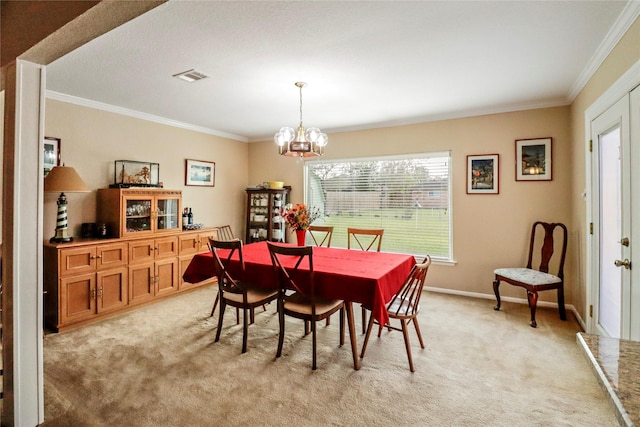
(51, 153)
(533, 159)
(201, 173)
(483, 174)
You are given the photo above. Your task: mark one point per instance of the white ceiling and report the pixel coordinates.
(367, 64)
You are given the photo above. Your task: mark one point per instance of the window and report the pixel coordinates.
(407, 196)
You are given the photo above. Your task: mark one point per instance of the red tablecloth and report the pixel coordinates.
(370, 278)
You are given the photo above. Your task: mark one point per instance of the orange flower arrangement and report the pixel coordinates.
(300, 216)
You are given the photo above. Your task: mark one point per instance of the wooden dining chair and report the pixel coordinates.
(225, 233)
(297, 294)
(321, 234)
(366, 240)
(538, 280)
(234, 291)
(405, 306)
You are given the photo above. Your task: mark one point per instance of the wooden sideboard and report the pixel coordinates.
(88, 279)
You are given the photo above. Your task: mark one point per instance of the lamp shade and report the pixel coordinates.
(64, 179)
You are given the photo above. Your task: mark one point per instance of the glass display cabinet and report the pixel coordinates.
(137, 211)
(263, 214)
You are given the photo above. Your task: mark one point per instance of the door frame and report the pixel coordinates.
(623, 86)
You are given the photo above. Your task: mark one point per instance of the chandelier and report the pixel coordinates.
(301, 143)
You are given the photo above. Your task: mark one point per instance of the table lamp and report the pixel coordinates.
(63, 179)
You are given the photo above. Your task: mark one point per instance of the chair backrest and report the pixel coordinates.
(286, 261)
(225, 281)
(362, 236)
(547, 247)
(321, 234)
(407, 299)
(224, 233)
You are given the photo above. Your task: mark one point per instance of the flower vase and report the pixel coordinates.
(300, 235)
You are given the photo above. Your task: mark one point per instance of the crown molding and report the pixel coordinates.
(628, 16)
(57, 96)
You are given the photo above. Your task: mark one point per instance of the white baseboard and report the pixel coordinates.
(509, 299)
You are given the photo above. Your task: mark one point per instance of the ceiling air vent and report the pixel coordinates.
(190, 76)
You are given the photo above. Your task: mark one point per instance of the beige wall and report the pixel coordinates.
(489, 231)
(625, 54)
(93, 139)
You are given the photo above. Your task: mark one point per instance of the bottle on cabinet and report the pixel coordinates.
(185, 217)
(190, 217)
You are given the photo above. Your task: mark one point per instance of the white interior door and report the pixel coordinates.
(634, 120)
(611, 192)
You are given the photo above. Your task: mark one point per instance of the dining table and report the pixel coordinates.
(368, 278)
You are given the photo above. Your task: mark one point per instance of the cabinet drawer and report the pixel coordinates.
(112, 255)
(141, 251)
(77, 260)
(204, 239)
(189, 244)
(166, 247)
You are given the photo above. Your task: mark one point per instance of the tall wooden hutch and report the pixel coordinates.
(263, 214)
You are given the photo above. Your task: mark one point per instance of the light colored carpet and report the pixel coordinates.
(159, 366)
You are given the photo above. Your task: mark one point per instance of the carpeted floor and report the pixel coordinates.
(159, 366)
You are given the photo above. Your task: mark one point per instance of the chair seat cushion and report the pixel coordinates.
(403, 308)
(528, 276)
(254, 295)
(300, 304)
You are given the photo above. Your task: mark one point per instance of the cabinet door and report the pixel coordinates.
(141, 283)
(112, 288)
(77, 298)
(277, 224)
(137, 218)
(166, 276)
(141, 251)
(168, 213)
(77, 260)
(258, 216)
(112, 255)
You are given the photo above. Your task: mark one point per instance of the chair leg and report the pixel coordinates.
(281, 334)
(328, 321)
(415, 323)
(364, 318)
(245, 327)
(496, 286)
(341, 326)
(215, 303)
(223, 305)
(307, 329)
(532, 296)
(563, 313)
(315, 344)
(405, 332)
(366, 337)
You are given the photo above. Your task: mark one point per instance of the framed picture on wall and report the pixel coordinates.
(200, 173)
(51, 153)
(533, 159)
(483, 174)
